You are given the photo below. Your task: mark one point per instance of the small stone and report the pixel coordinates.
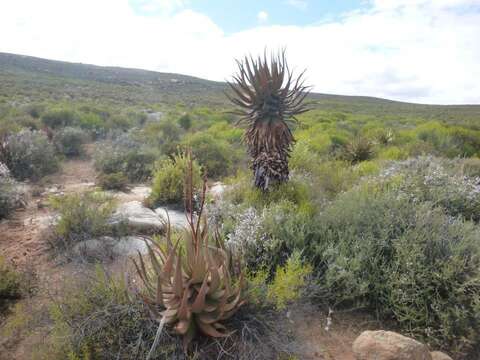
(437, 355)
(388, 345)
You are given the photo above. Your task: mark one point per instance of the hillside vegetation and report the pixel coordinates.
(374, 208)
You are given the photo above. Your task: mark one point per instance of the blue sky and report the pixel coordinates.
(422, 51)
(236, 15)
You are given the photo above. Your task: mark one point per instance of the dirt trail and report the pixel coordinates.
(22, 235)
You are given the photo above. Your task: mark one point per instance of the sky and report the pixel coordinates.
(422, 51)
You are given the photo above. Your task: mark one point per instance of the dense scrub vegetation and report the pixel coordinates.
(381, 213)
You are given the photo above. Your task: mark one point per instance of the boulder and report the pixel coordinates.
(130, 245)
(99, 248)
(387, 345)
(137, 217)
(437, 355)
(108, 247)
(177, 218)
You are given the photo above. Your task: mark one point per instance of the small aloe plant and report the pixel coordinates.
(191, 287)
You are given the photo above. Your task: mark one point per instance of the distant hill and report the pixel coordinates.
(25, 79)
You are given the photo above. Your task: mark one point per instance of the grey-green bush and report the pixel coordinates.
(127, 156)
(11, 197)
(82, 216)
(30, 155)
(440, 182)
(69, 141)
(406, 260)
(57, 118)
(114, 181)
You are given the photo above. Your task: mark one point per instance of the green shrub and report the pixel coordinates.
(214, 155)
(165, 135)
(450, 141)
(393, 153)
(69, 141)
(35, 110)
(168, 180)
(286, 286)
(127, 156)
(82, 216)
(333, 177)
(303, 158)
(95, 318)
(471, 167)
(185, 121)
(288, 282)
(114, 181)
(92, 122)
(58, 118)
(10, 284)
(365, 168)
(29, 155)
(297, 191)
(404, 260)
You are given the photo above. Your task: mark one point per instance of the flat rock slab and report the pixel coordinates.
(109, 247)
(437, 355)
(177, 218)
(388, 345)
(137, 217)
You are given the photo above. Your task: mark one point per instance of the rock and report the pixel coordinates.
(387, 345)
(177, 218)
(137, 217)
(154, 116)
(95, 248)
(141, 191)
(109, 247)
(4, 172)
(217, 190)
(130, 245)
(437, 355)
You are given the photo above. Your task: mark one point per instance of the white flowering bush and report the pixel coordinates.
(248, 240)
(30, 155)
(264, 238)
(439, 182)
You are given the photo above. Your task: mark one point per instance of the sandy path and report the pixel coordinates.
(22, 235)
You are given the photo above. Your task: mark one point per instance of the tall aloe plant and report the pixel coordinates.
(268, 98)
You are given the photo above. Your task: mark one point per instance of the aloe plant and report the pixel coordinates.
(268, 98)
(191, 287)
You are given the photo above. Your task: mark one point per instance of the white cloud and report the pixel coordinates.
(412, 50)
(162, 7)
(299, 4)
(262, 16)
